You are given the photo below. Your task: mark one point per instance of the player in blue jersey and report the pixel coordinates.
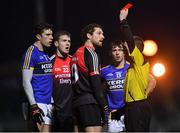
(37, 77)
(113, 76)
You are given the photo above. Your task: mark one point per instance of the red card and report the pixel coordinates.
(127, 6)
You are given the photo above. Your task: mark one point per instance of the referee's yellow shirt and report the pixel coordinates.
(136, 78)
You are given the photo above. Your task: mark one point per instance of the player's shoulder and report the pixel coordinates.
(29, 52)
(105, 67)
(30, 48)
(90, 50)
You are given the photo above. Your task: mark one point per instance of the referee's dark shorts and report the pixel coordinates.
(138, 116)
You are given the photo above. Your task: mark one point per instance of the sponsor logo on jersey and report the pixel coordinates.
(109, 74)
(68, 75)
(41, 57)
(65, 81)
(116, 84)
(47, 68)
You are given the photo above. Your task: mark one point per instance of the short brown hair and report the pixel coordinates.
(39, 28)
(121, 44)
(61, 33)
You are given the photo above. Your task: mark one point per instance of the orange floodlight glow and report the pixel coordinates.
(158, 69)
(150, 48)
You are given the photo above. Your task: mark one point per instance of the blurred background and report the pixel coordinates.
(154, 20)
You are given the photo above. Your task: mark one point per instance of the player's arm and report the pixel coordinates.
(125, 30)
(27, 73)
(36, 112)
(104, 85)
(97, 90)
(27, 77)
(92, 62)
(151, 84)
(99, 96)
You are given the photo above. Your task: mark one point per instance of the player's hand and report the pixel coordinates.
(105, 115)
(123, 14)
(37, 114)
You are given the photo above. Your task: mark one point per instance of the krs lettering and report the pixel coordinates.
(45, 66)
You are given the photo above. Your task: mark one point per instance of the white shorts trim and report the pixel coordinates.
(115, 126)
(47, 109)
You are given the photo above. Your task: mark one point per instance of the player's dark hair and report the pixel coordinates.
(139, 42)
(89, 29)
(39, 28)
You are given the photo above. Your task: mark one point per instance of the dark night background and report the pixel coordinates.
(158, 20)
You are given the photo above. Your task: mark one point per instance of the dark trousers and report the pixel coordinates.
(138, 116)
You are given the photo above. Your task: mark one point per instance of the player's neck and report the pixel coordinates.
(61, 54)
(89, 44)
(39, 45)
(119, 64)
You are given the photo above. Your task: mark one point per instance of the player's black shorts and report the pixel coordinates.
(88, 115)
(63, 123)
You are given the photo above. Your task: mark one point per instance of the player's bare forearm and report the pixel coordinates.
(125, 30)
(151, 85)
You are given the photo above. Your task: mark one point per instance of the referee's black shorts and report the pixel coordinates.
(87, 115)
(138, 116)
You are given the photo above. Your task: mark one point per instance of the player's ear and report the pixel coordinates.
(38, 36)
(56, 43)
(88, 35)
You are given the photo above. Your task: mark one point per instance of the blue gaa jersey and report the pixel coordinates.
(114, 79)
(41, 65)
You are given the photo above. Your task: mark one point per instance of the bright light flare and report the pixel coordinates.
(158, 69)
(150, 48)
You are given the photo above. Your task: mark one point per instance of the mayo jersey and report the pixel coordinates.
(84, 65)
(62, 90)
(39, 62)
(115, 79)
